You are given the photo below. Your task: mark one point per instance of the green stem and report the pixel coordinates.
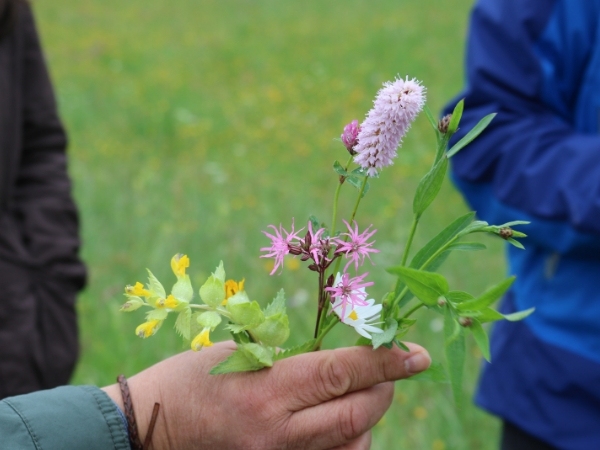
(358, 199)
(336, 200)
(411, 235)
(323, 333)
(412, 310)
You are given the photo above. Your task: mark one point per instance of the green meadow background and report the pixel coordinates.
(195, 124)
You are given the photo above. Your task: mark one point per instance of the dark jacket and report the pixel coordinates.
(537, 64)
(40, 272)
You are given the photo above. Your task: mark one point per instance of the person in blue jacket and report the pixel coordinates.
(537, 64)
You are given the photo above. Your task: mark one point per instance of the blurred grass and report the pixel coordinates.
(194, 125)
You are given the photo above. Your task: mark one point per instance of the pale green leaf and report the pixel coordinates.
(430, 186)
(157, 314)
(488, 297)
(277, 306)
(182, 289)
(209, 319)
(155, 286)
(183, 323)
(298, 350)
(471, 135)
(426, 286)
(238, 361)
(456, 116)
(466, 246)
(519, 315)
(388, 335)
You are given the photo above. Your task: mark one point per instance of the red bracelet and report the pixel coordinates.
(134, 436)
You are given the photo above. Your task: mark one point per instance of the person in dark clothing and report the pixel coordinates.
(40, 271)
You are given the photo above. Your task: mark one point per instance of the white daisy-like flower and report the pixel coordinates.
(361, 318)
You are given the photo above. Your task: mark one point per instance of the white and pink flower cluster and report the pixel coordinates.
(348, 296)
(374, 142)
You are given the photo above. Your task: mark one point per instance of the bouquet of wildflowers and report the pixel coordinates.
(338, 252)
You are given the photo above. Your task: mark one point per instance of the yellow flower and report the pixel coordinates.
(170, 302)
(138, 290)
(202, 340)
(179, 263)
(147, 329)
(232, 287)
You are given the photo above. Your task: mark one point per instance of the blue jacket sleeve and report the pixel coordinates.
(537, 64)
(62, 418)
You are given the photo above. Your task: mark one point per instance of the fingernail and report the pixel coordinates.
(417, 363)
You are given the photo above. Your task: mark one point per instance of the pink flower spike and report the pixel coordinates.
(350, 136)
(348, 291)
(396, 106)
(357, 248)
(279, 244)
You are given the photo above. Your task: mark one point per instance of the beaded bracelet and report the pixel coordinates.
(134, 436)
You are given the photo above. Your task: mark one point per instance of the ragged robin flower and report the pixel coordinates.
(348, 292)
(149, 328)
(201, 340)
(179, 263)
(138, 290)
(232, 287)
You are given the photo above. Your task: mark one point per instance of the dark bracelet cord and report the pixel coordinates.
(134, 436)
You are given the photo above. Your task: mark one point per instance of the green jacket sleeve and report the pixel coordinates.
(69, 417)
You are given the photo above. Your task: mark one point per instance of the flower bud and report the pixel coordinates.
(505, 233)
(465, 321)
(441, 301)
(350, 136)
(132, 304)
(443, 123)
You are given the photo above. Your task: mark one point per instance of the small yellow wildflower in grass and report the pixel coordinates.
(179, 263)
(292, 264)
(420, 413)
(438, 444)
(202, 340)
(147, 329)
(137, 289)
(232, 287)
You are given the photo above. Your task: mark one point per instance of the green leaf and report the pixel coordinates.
(456, 116)
(258, 353)
(430, 186)
(239, 337)
(459, 296)
(337, 167)
(182, 289)
(467, 246)
(155, 287)
(515, 243)
(487, 298)
(157, 314)
(388, 335)
(248, 314)
(209, 319)
(430, 118)
(298, 350)
(132, 304)
(441, 239)
(219, 272)
(519, 315)
(435, 373)
(212, 292)
(235, 328)
(455, 354)
(244, 359)
(471, 135)
(426, 286)
(477, 225)
(481, 339)
(277, 305)
(183, 323)
(357, 183)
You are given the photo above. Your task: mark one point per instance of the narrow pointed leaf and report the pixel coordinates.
(488, 297)
(520, 315)
(435, 373)
(337, 167)
(456, 116)
(430, 186)
(471, 135)
(481, 339)
(430, 118)
(467, 246)
(455, 355)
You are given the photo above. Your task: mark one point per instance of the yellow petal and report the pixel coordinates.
(147, 329)
(179, 263)
(138, 290)
(202, 340)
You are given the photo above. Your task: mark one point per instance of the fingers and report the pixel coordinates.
(342, 421)
(363, 442)
(321, 376)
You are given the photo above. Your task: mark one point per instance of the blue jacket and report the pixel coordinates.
(537, 64)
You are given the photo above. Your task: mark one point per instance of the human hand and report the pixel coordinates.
(316, 400)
